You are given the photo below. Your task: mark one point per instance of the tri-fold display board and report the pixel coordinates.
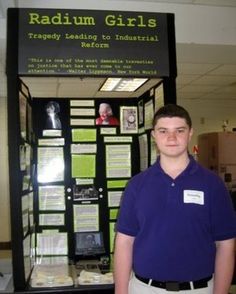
(69, 165)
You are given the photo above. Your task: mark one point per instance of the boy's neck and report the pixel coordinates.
(174, 166)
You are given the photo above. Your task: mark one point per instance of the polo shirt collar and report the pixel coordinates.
(190, 169)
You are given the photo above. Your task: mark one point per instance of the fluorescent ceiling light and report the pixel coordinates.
(123, 84)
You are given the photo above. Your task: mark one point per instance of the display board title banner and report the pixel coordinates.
(93, 43)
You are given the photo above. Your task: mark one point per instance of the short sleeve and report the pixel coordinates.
(223, 215)
(127, 220)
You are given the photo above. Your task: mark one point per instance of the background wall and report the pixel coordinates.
(209, 117)
(4, 182)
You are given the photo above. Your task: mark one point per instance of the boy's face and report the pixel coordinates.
(172, 135)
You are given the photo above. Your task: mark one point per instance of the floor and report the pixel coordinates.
(6, 283)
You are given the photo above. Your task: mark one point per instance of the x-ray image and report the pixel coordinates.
(53, 121)
(84, 192)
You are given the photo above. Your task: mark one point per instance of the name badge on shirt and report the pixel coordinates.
(194, 196)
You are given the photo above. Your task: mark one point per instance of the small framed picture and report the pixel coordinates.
(128, 119)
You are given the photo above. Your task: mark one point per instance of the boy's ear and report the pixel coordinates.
(191, 133)
(152, 133)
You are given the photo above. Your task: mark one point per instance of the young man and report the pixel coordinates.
(176, 227)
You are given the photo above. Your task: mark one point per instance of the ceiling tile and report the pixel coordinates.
(77, 80)
(195, 68)
(226, 90)
(197, 89)
(30, 81)
(188, 95)
(216, 2)
(186, 79)
(43, 93)
(225, 69)
(219, 96)
(215, 80)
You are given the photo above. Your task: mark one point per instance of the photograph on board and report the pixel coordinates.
(129, 119)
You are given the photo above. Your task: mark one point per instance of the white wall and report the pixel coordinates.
(208, 117)
(4, 179)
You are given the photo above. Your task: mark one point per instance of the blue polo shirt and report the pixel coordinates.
(176, 222)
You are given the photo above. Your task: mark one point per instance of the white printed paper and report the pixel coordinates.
(114, 198)
(52, 243)
(118, 161)
(86, 218)
(51, 197)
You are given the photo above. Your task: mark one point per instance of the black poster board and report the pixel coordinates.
(89, 42)
(147, 49)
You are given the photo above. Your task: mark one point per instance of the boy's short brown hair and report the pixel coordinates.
(172, 110)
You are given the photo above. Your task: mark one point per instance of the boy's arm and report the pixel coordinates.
(123, 262)
(224, 266)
